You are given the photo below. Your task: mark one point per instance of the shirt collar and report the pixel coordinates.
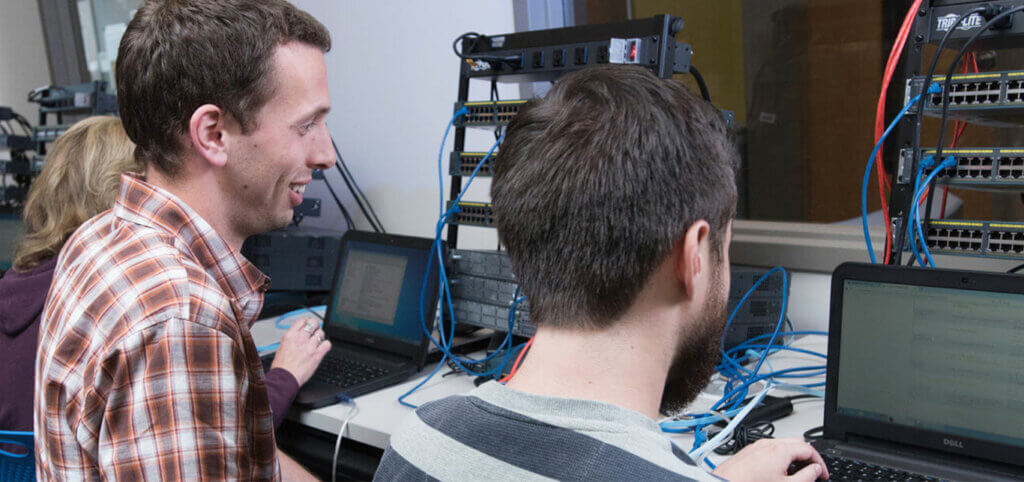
(145, 204)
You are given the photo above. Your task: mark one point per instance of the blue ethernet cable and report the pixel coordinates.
(444, 295)
(925, 163)
(935, 88)
(915, 209)
(778, 326)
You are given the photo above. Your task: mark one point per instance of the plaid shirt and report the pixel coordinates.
(146, 368)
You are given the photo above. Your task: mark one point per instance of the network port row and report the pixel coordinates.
(1006, 242)
(463, 164)
(488, 113)
(976, 90)
(976, 238)
(990, 167)
(971, 93)
(955, 239)
(472, 214)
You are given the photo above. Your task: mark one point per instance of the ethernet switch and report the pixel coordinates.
(472, 214)
(978, 238)
(488, 113)
(463, 163)
(982, 168)
(994, 98)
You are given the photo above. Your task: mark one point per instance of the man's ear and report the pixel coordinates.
(689, 264)
(206, 130)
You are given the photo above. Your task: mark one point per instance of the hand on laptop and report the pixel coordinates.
(302, 348)
(769, 459)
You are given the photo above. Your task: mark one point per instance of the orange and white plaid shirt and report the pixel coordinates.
(146, 368)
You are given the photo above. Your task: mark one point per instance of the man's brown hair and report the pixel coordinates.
(178, 55)
(596, 183)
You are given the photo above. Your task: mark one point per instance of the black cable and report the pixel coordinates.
(942, 45)
(475, 37)
(1016, 268)
(700, 83)
(495, 98)
(344, 212)
(513, 61)
(357, 193)
(814, 433)
(24, 123)
(952, 67)
(744, 435)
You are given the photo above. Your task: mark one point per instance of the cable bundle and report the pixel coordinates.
(445, 336)
(739, 379)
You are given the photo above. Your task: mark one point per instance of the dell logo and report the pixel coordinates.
(953, 443)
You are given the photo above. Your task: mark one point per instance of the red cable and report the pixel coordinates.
(890, 67)
(515, 366)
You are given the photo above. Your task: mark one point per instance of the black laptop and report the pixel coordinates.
(373, 317)
(925, 375)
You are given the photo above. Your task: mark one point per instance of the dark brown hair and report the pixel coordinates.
(178, 55)
(597, 182)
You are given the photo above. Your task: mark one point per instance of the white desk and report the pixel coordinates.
(380, 413)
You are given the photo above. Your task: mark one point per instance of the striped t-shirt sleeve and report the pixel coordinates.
(467, 438)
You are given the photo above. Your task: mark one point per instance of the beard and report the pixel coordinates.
(697, 352)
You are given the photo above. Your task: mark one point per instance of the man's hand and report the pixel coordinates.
(769, 459)
(302, 348)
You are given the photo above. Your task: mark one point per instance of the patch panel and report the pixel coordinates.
(488, 113)
(976, 238)
(982, 168)
(463, 163)
(994, 98)
(488, 264)
(494, 317)
(48, 133)
(484, 290)
(473, 214)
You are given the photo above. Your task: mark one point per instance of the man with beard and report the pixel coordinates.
(614, 196)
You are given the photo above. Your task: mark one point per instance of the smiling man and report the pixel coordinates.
(146, 368)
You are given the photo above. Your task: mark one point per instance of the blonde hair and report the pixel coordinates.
(79, 180)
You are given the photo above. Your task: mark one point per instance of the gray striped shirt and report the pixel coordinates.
(496, 433)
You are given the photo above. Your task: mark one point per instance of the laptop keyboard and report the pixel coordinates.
(345, 372)
(840, 469)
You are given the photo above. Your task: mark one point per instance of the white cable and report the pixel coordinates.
(724, 435)
(337, 445)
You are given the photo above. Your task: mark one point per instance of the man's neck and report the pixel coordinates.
(200, 194)
(622, 365)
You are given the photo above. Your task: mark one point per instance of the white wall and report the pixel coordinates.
(23, 65)
(393, 81)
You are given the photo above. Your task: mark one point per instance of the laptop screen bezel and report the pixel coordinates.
(841, 427)
(416, 353)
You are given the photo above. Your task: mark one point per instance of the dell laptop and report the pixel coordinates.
(925, 375)
(373, 316)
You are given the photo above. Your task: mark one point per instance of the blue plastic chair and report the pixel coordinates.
(19, 465)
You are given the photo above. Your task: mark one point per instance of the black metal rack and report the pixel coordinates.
(545, 55)
(991, 98)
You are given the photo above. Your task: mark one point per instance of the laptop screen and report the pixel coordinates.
(941, 359)
(377, 290)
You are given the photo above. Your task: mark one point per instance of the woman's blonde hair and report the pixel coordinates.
(79, 180)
